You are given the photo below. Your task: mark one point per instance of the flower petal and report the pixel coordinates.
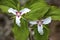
(25, 10)
(40, 29)
(47, 20)
(18, 21)
(11, 10)
(33, 22)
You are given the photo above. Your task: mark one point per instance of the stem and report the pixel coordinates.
(31, 33)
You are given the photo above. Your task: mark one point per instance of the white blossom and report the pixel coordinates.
(11, 10)
(18, 14)
(47, 20)
(40, 24)
(40, 29)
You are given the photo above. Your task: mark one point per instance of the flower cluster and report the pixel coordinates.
(38, 22)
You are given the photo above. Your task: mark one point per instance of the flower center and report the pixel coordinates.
(39, 22)
(18, 14)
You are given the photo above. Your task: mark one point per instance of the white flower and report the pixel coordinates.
(18, 14)
(40, 24)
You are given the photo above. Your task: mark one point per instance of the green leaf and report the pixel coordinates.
(21, 33)
(4, 8)
(54, 13)
(8, 3)
(37, 12)
(37, 36)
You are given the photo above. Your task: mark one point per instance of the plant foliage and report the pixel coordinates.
(39, 10)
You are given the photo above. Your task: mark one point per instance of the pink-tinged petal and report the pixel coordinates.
(11, 10)
(40, 29)
(24, 11)
(18, 21)
(47, 20)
